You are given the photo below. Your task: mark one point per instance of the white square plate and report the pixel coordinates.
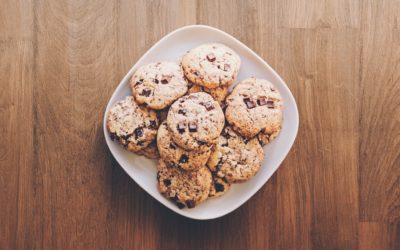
(143, 170)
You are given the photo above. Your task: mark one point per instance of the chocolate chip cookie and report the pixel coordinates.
(234, 158)
(185, 188)
(158, 84)
(133, 126)
(254, 105)
(174, 155)
(211, 65)
(195, 121)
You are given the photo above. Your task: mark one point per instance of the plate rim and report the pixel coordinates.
(248, 50)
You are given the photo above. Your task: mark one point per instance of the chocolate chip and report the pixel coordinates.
(156, 80)
(225, 134)
(181, 127)
(146, 92)
(246, 140)
(172, 145)
(270, 104)
(180, 205)
(126, 137)
(192, 127)
(182, 111)
(139, 82)
(139, 142)
(249, 102)
(262, 101)
(272, 89)
(190, 203)
(201, 143)
(224, 145)
(227, 67)
(218, 164)
(211, 57)
(166, 79)
(153, 124)
(196, 73)
(167, 182)
(114, 136)
(138, 132)
(208, 105)
(219, 187)
(184, 159)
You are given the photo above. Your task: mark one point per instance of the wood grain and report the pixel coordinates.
(338, 188)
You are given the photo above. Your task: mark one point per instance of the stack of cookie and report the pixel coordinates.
(175, 114)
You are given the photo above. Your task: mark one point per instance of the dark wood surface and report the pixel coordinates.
(338, 188)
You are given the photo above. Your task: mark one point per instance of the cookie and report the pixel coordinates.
(158, 85)
(219, 94)
(150, 151)
(133, 126)
(234, 158)
(211, 65)
(195, 121)
(264, 138)
(254, 105)
(218, 187)
(174, 155)
(185, 188)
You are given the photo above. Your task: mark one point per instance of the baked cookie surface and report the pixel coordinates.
(133, 126)
(185, 188)
(234, 158)
(211, 65)
(254, 105)
(195, 121)
(158, 84)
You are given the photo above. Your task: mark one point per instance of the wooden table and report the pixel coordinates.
(338, 188)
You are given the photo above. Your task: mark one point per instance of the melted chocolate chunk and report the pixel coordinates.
(192, 127)
(126, 137)
(172, 145)
(219, 187)
(250, 103)
(146, 92)
(201, 143)
(261, 101)
(153, 124)
(246, 140)
(227, 67)
(211, 57)
(208, 105)
(114, 136)
(156, 80)
(190, 203)
(139, 82)
(167, 182)
(225, 134)
(184, 159)
(270, 104)
(138, 132)
(166, 79)
(182, 111)
(181, 127)
(180, 205)
(140, 143)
